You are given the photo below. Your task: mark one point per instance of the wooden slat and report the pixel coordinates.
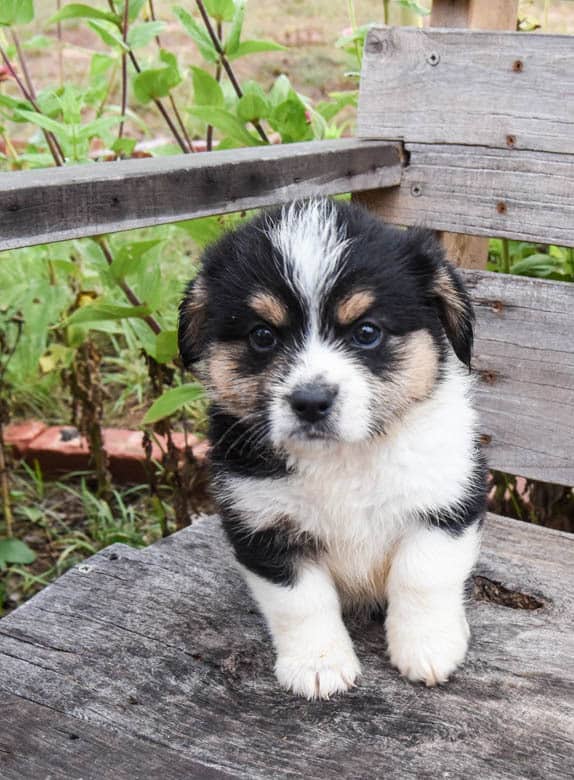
(466, 250)
(504, 90)
(476, 14)
(57, 204)
(163, 648)
(489, 192)
(524, 360)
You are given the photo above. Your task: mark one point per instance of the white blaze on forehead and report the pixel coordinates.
(312, 245)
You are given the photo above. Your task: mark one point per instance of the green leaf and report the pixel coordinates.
(14, 12)
(38, 43)
(225, 122)
(109, 35)
(198, 33)
(166, 346)
(15, 551)
(221, 10)
(281, 90)
(131, 257)
(339, 100)
(124, 146)
(203, 231)
(254, 47)
(98, 311)
(156, 83)
(535, 265)
(206, 90)
(143, 33)
(81, 11)
(252, 107)
(413, 6)
(97, 127)
(234, 37)
(44, 122)
(173, 399)
(290, 120)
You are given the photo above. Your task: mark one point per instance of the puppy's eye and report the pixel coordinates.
(262, 338)
(366, 335)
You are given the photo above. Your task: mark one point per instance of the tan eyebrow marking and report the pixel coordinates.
(354, 306)
(270, 308)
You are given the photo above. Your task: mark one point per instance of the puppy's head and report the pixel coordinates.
(317, 323)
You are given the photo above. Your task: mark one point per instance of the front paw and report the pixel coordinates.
(429, 650)
(318, 675)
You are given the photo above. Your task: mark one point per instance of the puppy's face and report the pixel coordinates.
(318, 324)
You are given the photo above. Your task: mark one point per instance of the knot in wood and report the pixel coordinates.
(416, 190)
(511, 141)
(501, 207)
(433, 58)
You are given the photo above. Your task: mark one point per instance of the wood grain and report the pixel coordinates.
(524, 362)
(504, 90)
(162, 649)
(481, 191)
(464, 250)
(43, 206)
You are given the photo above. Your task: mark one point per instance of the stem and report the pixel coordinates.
(386, 11)
(225, 62)
(55, 148)
(124, 68)
(209, 138)
(173, 104)
(159, 105)
(126, 289)
(161, 108)
(5, 487)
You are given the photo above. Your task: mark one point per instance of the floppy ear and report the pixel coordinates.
(192, 322)
(454, 310)
(443, 284)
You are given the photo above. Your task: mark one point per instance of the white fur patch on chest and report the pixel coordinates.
(360, 499)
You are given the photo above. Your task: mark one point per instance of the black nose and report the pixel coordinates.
(312, 402)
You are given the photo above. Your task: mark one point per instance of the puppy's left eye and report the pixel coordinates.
(366, 335)
(262, 338)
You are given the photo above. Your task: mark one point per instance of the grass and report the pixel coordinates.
(64, 522)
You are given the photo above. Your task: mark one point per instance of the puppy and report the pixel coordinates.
(335, 351)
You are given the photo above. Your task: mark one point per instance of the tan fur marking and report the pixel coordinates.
(354, 306)
(445, 289)
(420, 365)
(237, 394)
(412, 380)
(270, 308)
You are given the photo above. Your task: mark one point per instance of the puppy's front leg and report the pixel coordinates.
(315, 656)
(427, 632)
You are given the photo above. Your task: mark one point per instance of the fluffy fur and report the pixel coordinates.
(335, 350)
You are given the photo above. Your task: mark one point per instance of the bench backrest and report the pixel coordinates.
(487, 125)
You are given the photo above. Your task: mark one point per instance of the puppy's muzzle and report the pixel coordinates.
(312, 403)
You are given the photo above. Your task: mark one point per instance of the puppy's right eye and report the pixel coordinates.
(262, 338)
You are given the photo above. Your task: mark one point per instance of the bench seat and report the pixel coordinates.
(141, 663)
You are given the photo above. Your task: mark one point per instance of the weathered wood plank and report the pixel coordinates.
(481, 191)
(40, 743)
(432, 86)
(42, 206)
(524, 359)
(164, 648)
(465, 250)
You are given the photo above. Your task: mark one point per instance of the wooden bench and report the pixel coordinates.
(155, 663)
